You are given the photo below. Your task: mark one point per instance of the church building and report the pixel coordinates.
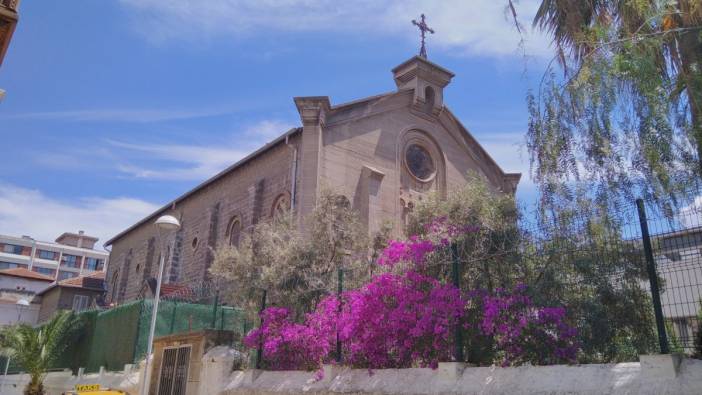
(383, 153)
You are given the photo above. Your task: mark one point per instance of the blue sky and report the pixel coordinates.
(113, 108)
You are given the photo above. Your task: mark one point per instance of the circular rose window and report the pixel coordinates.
(419, 162)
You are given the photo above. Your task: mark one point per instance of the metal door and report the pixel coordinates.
(173, 377)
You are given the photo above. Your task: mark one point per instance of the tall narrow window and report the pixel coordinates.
(281, 205)
(234, 231)
(115, 278)
(429, 99)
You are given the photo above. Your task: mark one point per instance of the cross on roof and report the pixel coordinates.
(423, 28)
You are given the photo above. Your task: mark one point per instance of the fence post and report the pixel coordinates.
(455, 273)
(652, 277)
(214, 310)
(339, 290)
(259, 352)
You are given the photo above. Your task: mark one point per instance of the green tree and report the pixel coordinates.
(297, 267)
(625, 118)
(488, 244)
(35, 350)
(580, 261)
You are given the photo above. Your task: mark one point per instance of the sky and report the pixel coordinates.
(115, 107)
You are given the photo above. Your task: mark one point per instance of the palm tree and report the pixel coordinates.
(36, 349)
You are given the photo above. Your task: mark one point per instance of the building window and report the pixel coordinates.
(94, 264)
(12, 249)
(195, 243)
(429, 99)
(45, 271)
(70, 261)
(11, 265)
(115, 278)
(234, 232)
(281, 206)
(48, 255)
(62, 275)
(419, 162)
(81, 302)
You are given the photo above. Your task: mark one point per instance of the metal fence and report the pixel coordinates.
(631, 277)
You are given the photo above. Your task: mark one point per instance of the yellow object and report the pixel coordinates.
(93, 390)
(87, 387)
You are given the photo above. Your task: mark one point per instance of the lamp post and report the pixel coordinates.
(165, 225)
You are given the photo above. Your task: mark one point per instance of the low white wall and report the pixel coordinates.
(56, 383)
(623, 378)
(654, 375)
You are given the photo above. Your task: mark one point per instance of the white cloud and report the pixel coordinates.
(119, 115)
(267, 130)
(30, 212)
(508, 150)
(193, 162)
(465, 27)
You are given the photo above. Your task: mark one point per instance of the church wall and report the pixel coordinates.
(372, 134)
(248, 192)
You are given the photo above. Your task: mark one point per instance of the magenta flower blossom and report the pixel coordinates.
(405, 320)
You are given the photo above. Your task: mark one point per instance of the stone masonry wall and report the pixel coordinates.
(247, 192)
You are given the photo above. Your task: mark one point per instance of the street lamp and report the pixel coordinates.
(165, 226)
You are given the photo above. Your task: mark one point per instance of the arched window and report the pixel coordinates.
(113, 296)
(429, 99)
(234, 231)
(281, 205)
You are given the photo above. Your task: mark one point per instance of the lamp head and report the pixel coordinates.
(167, 223)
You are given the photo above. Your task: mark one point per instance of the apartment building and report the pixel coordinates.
(71, 255)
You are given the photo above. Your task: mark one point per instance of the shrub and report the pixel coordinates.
(522, 332)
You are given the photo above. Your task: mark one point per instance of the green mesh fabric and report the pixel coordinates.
(119, 336)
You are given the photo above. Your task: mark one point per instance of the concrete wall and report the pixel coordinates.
(56, 383)
(654, 375)
(623, 378)
(14, 283)
(9, 313)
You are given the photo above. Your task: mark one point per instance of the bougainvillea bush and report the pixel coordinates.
(287, 345)
(520, 332)
(396, 321)
(405, 318)
(399, 321)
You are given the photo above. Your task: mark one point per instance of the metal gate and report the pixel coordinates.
(173, 377)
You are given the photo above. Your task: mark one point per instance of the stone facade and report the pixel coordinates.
(384, 154)
(8, 22)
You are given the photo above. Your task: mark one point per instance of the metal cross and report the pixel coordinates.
(423, 28)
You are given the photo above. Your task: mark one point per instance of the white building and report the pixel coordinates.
(18, 295)
(71, 255)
